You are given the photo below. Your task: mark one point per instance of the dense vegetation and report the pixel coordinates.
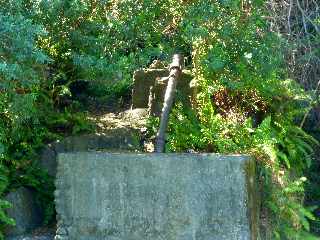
(50, 51)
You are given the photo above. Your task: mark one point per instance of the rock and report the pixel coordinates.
(156, 196)
(25, 212)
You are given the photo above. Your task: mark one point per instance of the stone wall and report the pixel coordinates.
(130, 196)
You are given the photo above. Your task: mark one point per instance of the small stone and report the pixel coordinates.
(61, 231)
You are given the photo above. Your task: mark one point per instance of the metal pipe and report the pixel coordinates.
(175, 72)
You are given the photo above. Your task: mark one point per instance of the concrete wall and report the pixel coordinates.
(148, 91)
(104, 196)
(120, 139)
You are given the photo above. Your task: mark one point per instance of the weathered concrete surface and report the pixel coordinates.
(155, 197)
(25, 211)
(114, 140)
(142, 81)
(33, 238)
(186, 93)
(148, 89)
(48, 236)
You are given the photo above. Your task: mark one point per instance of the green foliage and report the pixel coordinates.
(245, 103)
(20, 73)
(26, 106)
(187, 132)
(102, 41)
(4, 181)
(68, 123)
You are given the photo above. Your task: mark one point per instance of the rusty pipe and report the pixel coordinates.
(175, 73)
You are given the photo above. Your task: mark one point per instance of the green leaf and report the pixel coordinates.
(307, 213)
(284, 158)
(2, 149)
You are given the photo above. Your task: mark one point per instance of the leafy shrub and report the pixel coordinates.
(246, 104)
(20, 73)
(27, 112)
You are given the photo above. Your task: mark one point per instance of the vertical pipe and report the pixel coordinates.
(175, 72)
